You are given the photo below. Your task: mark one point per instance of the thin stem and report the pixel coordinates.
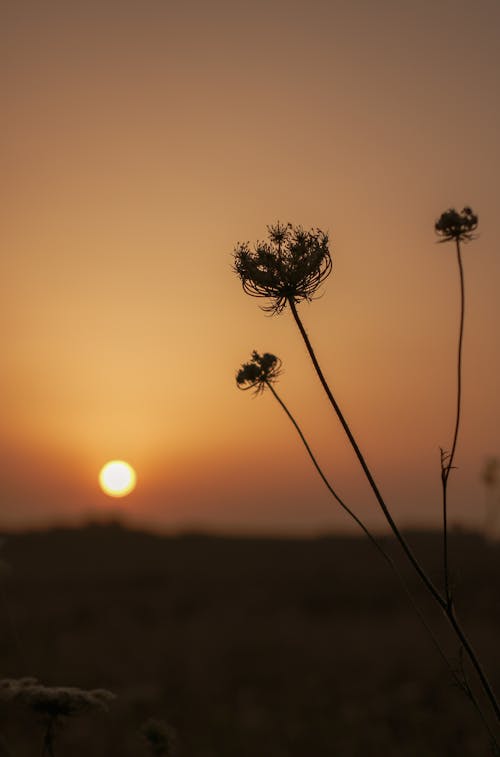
(49, 736)
(406, 548)
(440, 600)
(461, 683)
(459, 360)
(452, 618)
(447, 463)
(325, 480)
(464, 685)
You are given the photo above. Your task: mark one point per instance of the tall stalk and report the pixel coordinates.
(447, 459)
(441, 601)
(399, 536)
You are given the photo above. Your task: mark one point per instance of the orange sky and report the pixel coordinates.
(141, 141)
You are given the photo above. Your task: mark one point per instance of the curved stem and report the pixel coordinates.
(389, 561)
(440, 600)
(342, 504)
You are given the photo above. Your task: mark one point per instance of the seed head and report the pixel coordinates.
(54, 701)
(458, 226)
(289, 267)
(261, 371)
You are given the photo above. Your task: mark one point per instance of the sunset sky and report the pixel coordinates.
(141, 142)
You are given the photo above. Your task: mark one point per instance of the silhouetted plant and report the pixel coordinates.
(456, 227)
(290, 266)
(271, 271)
(54, 704)
(261, 373)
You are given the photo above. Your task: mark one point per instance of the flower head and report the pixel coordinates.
(54, 701)
(261, 371)
(289, 267)
(458, 226)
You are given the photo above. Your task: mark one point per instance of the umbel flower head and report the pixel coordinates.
(261, 371)
(458, 226)
(54, 701)
(288, 267)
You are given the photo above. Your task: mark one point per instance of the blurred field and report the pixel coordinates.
(247, 647)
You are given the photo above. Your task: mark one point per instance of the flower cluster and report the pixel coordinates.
(261, 371)
(57, 701)
(458, 226)
(289, 267)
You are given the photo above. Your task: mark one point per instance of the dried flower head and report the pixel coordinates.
(261, 371)
(56, 701)
(289, 267)
(458, 226)
(161, 738)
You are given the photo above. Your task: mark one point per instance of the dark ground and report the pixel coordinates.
(248, 647)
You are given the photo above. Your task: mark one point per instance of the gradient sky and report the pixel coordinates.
(141, 141)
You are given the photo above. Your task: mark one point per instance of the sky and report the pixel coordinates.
(141, 141)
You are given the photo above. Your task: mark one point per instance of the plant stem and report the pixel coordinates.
(359, 522)
(440, 600)
(406, 548)
(461, 683)
(325, 480)
(447, 463)
(49, 736)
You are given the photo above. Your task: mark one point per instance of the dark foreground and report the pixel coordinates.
(247, 647)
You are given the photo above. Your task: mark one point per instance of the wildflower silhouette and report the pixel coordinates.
(456, 227)
(54, 704)
(272, 271)
(289, 267)
(261, 373)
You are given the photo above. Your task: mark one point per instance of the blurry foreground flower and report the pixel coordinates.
(458, 226)
(289, 267)
(260, 372)
(53, 703)
(161, 738)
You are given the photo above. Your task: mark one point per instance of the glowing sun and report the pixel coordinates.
(117, 478)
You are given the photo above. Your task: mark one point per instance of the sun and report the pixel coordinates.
(117, 478)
